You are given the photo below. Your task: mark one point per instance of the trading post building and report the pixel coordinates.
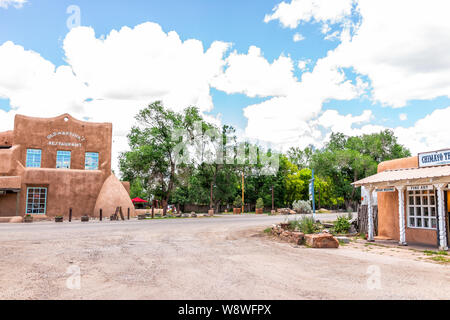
(48, 166)
(413, 199)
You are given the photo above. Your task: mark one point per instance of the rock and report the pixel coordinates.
(193, 215)
(292, 212)
(284, 226)
(297, 237)
(326, 231)
(284, 211)
(343, 239)
(185, 215)
(321, 240)
(211, 212)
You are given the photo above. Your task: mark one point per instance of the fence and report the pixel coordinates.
(363, 219)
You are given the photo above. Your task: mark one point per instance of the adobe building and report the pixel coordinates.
(48, 166)
(413, 199)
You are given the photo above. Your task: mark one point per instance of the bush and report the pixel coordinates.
(301, 206)
(237, 203)
(259, 203)
(307, 225)
(342, 225)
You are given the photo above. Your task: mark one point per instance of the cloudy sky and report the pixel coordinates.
(283, 73)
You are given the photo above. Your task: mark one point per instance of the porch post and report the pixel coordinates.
(370, 232)
(401, 215)
(441, 215)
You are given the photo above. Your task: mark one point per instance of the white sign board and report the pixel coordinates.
(389, 189)
(412, 188)
(435, 158)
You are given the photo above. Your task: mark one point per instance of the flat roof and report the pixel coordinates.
(439, 174)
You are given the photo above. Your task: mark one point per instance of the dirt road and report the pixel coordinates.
(204, 258)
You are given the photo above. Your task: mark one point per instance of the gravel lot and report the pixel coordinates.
(204, 258)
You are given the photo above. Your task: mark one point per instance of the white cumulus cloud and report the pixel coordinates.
(15, 3)
(325, 11)
(253, 75)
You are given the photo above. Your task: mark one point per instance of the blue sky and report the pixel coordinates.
(40, 26)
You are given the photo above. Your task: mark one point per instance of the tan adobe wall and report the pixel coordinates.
(388, 220)
(53, 134)
(113, 195)
(404, 163)
(74, 188)
(8, 207)
(8, 160)
(6, 138)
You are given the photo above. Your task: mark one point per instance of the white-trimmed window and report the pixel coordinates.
(422, 209)
(36, 200)
(33, 158)
(91, 161)
(63, 159)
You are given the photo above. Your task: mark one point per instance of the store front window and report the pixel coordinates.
(36, 200)
(422, 209)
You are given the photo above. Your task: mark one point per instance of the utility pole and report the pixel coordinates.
(273, 207)
(243, 190)
(311, 194)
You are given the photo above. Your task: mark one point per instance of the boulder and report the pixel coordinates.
(284, 211)
(297, 237)
(193, 215)
(321, 240)
(343, 239)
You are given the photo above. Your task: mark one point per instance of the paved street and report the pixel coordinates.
(205, 258)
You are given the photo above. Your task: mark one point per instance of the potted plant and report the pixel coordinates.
(237, 205)
(28, 218)
(259, 206)
(59, 219)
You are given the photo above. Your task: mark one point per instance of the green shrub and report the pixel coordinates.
(237, 202)
(307, 225)
(302, 206)
(259, 203)
(268, 230)
(342, 225)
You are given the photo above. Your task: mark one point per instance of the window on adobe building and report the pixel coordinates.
(422, 209)
(33, 158)
(63, 159)
(36, 200)
(91, 161)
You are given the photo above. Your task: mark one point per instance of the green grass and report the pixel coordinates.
(268, 230)
(440, 259)
(431, 252)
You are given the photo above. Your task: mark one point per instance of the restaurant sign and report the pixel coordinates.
(435, 158)
(65, 134)
(418, 188)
